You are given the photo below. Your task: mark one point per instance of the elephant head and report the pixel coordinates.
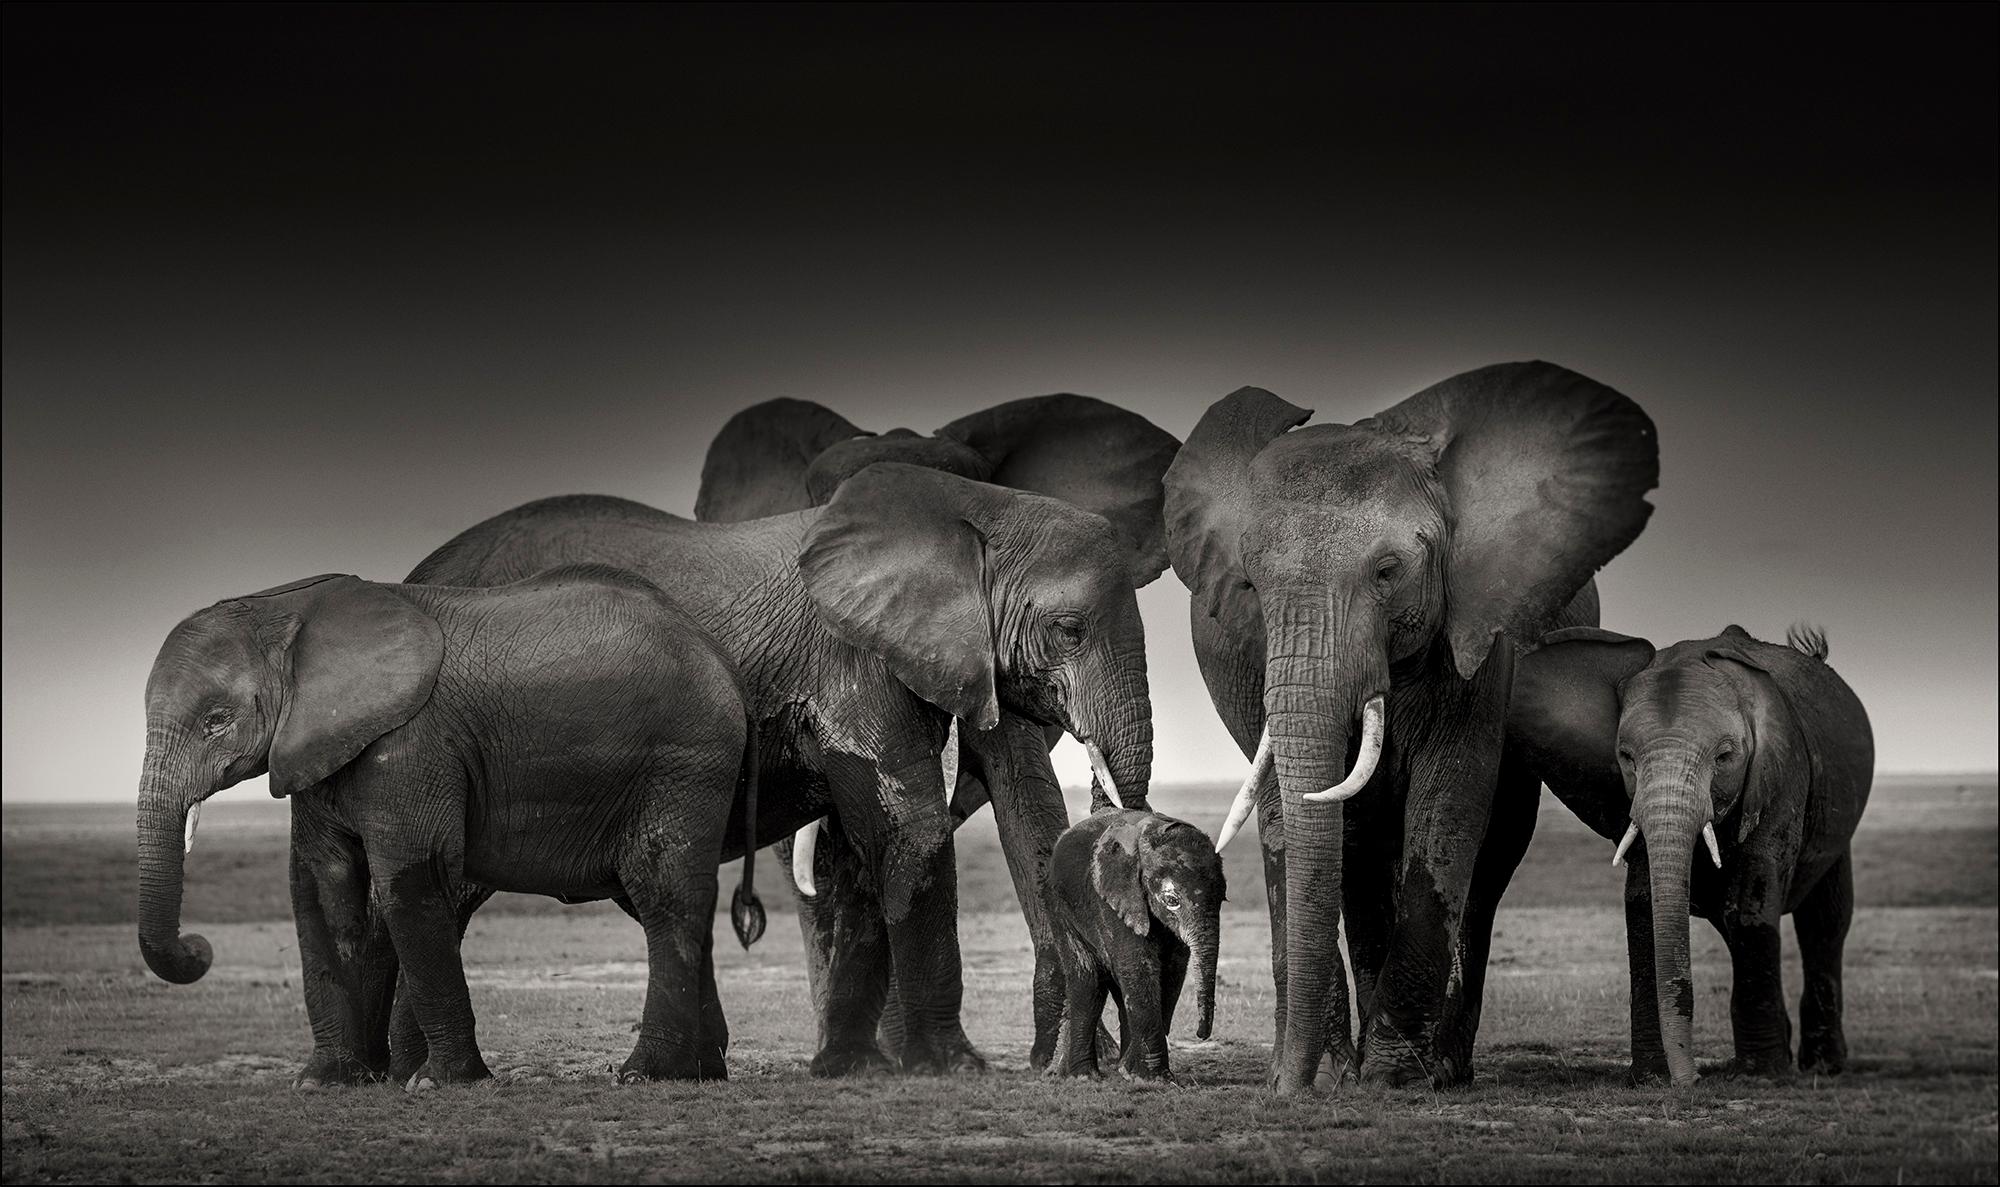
(296, 680)
(978, 596)
(1153, 870)
(787, 455)
(1700, 734)
(1395, 549)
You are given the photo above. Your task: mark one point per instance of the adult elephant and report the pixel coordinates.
(861, 629)
(786, 455)
(1358, 591)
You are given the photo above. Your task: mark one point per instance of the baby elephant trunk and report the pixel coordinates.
(1203, 967)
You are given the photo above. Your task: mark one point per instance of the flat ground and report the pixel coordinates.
(110, 1074)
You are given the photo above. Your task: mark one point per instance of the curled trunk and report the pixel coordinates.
(1670, 808)
(165, 793)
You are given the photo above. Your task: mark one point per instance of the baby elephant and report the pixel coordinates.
(1736, 771)
(572, 734)
(1134, 897)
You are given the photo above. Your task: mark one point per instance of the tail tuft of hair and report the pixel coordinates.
(1805, 637)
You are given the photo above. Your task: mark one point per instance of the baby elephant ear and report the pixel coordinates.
(756, 466)
(1779, 758)
(1545, 475)
(896, 568)
(361, 659)
(1115, 874)
(1086, 452)
(1565, 707)
(1208, 504)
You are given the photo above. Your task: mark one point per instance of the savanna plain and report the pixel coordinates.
(110, 1074)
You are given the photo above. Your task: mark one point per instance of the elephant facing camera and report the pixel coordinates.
(1135, 900)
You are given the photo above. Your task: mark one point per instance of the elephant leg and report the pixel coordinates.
(1451, 782)
(346, 962)
(847, 956)
(894, 808)
(407, 1049)
(423, 922)
(671, 884)
(1372, 843)
(1084, 991)
(1821, 924)
(1649, 1052)
(1512, 826)
(1028, 808)
(1143, 1024)
(1173, 975)
(1757, 1019)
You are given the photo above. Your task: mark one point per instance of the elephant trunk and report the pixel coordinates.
(1313, 695)
(1114, 719)
(1202, 955)
(1671, 806)
(167, 790)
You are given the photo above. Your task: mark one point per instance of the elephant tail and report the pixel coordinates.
(746, 911)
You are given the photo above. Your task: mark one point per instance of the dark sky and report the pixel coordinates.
(295, 290)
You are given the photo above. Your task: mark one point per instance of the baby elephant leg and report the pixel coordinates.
(423, 923)
(1084, 990)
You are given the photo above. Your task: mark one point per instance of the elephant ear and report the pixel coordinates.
(1545, 474)
(756, 466)
(1208, 504)
(360, 660)
(1779, 757)
(1115, 872)
(1565, 705)
(1083, 451)
(844, 459)
(897, 568)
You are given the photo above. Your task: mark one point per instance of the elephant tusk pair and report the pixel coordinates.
(1102, 770)
(1374, 720)
(1632, 834)
(805, 842)
(193, 822)
(1246, 796)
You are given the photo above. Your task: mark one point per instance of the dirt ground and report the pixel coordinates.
(110, 1074)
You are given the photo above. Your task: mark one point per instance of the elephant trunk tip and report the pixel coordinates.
(182, 962)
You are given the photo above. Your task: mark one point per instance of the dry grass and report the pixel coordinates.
(109, 1074)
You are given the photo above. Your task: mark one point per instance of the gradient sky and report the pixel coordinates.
(294, 290)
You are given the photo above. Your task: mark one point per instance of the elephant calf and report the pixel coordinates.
(572, 734)
(1762, 752)
(1134, 897)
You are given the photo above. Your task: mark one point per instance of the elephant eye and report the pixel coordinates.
(218, 719)
(1624, 756)
(1170, 900)
(1725, 755)
(1387, 568)
(1071, 630)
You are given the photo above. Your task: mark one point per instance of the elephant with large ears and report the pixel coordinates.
(1358, 593)
(787, 455)
(862, 628)
(571, 734)
(1764, 753)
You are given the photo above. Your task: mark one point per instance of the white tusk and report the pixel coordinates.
(1631, 835)
(1373, 717)
(948, 760)
(1714, 850)
(194, 821)
(1246, 797)
(1103, 773)
(805, 844)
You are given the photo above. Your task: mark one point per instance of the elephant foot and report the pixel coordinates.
(1390, 1059)
(857, 1060)
(1777, 1066)
(1650, 1072)
(1824, 1055)
(436, 1072)
(957, 1057)
(402, 1067)
(1139, 1071)
(651, 1061)
(331, 1069)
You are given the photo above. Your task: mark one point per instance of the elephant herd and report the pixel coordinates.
(860, 639)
